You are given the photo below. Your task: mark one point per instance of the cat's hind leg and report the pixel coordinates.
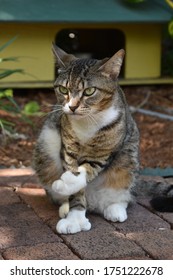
(120, 181)
(109, 194)
(116, 212)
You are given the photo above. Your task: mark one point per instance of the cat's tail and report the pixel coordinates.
(162, 203)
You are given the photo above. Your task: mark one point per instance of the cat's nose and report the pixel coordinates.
(73, 108)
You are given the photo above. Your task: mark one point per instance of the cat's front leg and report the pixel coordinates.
(75, 221)
(69, 183)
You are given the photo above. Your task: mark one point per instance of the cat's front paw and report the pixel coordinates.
(69, 183)
(73, 223)
(115, 213)
(60, 188)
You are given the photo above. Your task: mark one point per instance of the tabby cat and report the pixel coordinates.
(86, 155)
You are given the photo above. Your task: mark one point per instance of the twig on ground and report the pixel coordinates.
(150, 113)
(144, 102)
(164, 109)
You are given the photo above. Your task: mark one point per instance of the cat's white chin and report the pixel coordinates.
(75, 116)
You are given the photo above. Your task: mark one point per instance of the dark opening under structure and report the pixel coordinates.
(91, 43)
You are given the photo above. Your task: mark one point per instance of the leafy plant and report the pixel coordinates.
(7, 72)
(11, 106)
(31, 108)
(169, 3)
(8, 103)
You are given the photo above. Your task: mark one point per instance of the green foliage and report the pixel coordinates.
(170, 28)
(167, 54)
(31, 108)
(169, 3)
(7, 95)
(9, 107)
(7, 72)
(7, 43)
(8, 104)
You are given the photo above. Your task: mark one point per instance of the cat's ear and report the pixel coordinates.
(62, 58)
(113, 65)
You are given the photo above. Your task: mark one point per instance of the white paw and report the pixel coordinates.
(69, 183)
(59, 187)
(74, 222)
(116, 213)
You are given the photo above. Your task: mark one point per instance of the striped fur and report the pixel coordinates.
(92, 136)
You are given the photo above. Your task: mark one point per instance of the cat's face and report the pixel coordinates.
(86, 86)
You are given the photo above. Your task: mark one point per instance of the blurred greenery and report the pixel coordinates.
(7, 72)
(169, 3)
(7, 101)
(31, 108)
(167, 45)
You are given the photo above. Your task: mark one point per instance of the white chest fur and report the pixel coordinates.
(86, 128)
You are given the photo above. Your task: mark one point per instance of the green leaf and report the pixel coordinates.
(9, 59)
(4, 122)
(170, 28)
(31, 107)
(6, 93)
(6, 126)
(11, 99)
(7, 72)
(8, 43)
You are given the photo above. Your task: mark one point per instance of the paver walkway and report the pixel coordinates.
(28, 219)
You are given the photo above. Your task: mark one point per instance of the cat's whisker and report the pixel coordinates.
(57, 107)
(51, 105)
(93, 120)
(89, 121)
(58, 110)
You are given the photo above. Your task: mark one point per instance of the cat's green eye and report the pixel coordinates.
(89, 91)
(63, 90)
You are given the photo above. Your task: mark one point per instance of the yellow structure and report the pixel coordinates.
(33, 47)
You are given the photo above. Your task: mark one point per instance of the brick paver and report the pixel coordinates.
(8, 196)
(38, 200)
(43, 251)
(28, 220)
(103, 241)
(165, 216)
(158, 244)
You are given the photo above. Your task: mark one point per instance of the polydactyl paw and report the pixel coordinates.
(69, 183)
(74, 222)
